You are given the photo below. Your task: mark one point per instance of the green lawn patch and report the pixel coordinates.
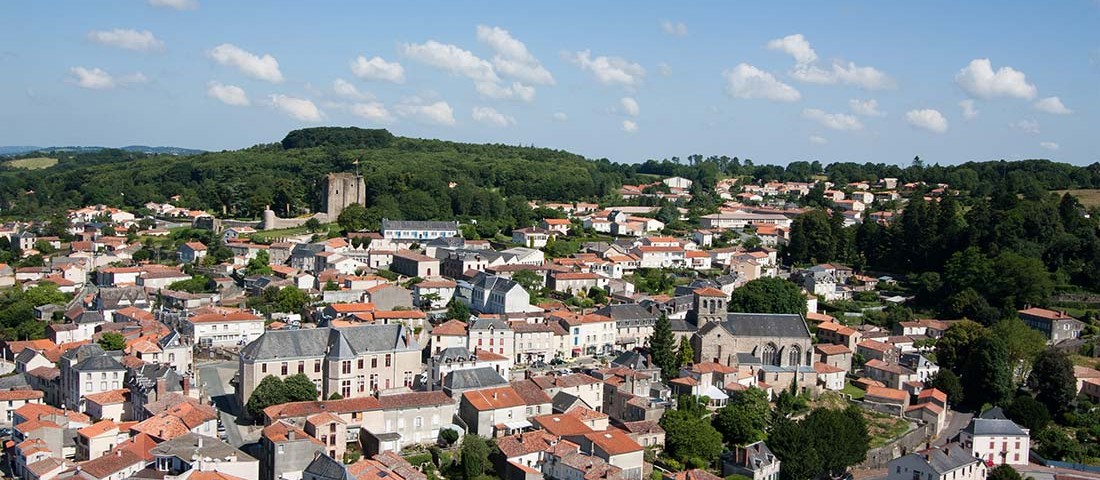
(35, 163)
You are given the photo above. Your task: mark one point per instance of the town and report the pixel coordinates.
(595, 343)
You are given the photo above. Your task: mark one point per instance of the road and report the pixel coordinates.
(215, 377)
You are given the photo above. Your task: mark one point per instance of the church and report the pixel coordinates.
(776, 348)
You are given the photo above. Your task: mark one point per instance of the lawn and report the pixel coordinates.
(35, 163)
(1089, 197)
(884, 428)
(856, 392)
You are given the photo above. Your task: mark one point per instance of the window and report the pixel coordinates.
(283, 368)
(263, 368)
(373, 362)
(360, 363)
(345, 367)
(317, 366)
(301, 366)
(388, 357)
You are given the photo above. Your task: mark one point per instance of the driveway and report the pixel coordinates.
(956, 421)
(215, 377)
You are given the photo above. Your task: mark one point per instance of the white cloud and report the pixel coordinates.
(98, 79)
(437, 113)
(175, 4)
(818, 140)
(1027, 126)
(512, 58)
(678, 29)
(377, 68)
(490, 116)
(517, 91)
(264, 68)
(867, 108)
(629, 126)
(664, 69)
(969, 112)
(796, 46)
(869, 78)
(835, 121)
(927, 119)
(347, 90)
(451, 59)
(561, 116)
(609, 70)
(143, 41)
(630, 106)
(747, 81)
(298, 108)
(1050, 145)
(980, 80)
(1052, 105)
(228, 94)
(373, 111)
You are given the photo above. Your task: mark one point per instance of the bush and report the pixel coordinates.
(449, 435)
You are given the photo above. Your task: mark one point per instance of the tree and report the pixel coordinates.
(260, 265)
(987, 376)
(112, 341)
(475, 456)
(331, 285)
(528, 279)
(684, 355)
(1028, 412)
(312, 225)
(1054, 443)
(768, 295)
(745, 418)
(947, 382)
(456, 310)
(1024, 345)
(842, 433)
(1052, 376)
(1003, 472)
(353, 218)
(291, 299)
(448, 435)
(269, 392)
(662, 348)
(688, 434)
(299, 388)
(953, 349)
(796, 448)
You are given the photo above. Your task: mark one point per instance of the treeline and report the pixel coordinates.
(979, 258)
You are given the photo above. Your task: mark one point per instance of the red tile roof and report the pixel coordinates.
(493, 398)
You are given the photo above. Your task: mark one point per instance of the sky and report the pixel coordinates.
(628, 81)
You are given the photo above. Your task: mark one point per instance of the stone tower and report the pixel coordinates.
(341, 190)
(709, 305)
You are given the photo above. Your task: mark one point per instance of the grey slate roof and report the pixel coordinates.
(98, 364)
(486, 323)
(112, 297)
(16, 381)
(145, 377)
(632, 360)
(473, 378)
(626, 314)
(83, 352)
(998, 427)
(324, 467)
(417, 225)
(758, 455)
(187, 446)
(680, 325)
(996, 413)
(784, 325)
(562, 402)
(89, 316)
(942, 460)
(452, 354)
(336, 342)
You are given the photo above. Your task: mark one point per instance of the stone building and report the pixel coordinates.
(342, 189)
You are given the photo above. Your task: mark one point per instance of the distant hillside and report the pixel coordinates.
(9, 151)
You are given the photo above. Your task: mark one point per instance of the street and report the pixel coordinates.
(214, 378)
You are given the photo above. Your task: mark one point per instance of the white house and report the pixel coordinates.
(997, 441)
(949, 462)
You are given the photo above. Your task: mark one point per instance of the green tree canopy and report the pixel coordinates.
(768, 295)
(745, 419)
(987, 376)
(353, 218)
(1028, 412)
(688, 434)
(112, 341)
(954, 348)
(474, 456)
(662, 348)
(299, 388)
(269, 392)
(1052, 377)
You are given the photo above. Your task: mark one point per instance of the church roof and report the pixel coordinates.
(784, 325)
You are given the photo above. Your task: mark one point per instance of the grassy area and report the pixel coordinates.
(884, 428)
(853, 390)
(1083, 361)
(1089, 197)
(32, 163)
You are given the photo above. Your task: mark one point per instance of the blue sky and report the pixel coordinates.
(828, 81)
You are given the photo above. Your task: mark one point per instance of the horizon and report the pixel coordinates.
(843, 82)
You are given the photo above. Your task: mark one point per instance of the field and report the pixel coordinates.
(1089, 197)
(32, 163)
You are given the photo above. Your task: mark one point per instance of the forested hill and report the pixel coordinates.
(424, 179)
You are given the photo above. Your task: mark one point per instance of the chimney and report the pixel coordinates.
(290, 434)
(118, 452)
(162, 387)
(199, 443)
(186, 385)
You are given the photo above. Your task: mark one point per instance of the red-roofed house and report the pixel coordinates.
(488, 409)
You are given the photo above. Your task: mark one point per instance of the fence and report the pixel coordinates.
(1035, 457)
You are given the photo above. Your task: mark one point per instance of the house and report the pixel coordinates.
(997, 441)
(351, 361)
(891, 375)
(755, 461)
(412, 264)
(416, 418)
(876, 350)
(576, 282)
(449, 334)
(949, 462)
(493, 411)
(234, 233)
(494, 294)
(111, 405)
(286, 451)
(200, 453)
(98, 439)
(531, 237)
(492, 335)
(404, 231)
(557, 226)
(89, 369)
(389, 297)
(223, 328)
(836, 356)
(1055, 325)
(587, 334)
(433, 294)
(12, 400)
